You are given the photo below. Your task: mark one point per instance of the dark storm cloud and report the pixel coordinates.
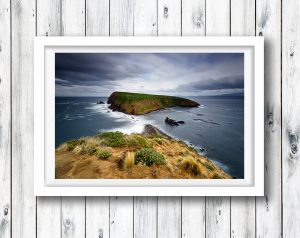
(93, 74)
(232, 82)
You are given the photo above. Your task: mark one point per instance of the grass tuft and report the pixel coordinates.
(113, 139)
(102, 153)
(129, 160)
(191, 164)
(149, 157)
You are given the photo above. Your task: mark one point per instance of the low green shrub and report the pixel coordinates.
(149, 157)
(102, 154)
(71, 144)
(113, 139)
(209, 166)
(142, 141)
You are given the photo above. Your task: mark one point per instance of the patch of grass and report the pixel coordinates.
(71, 144)
(102, 154)
(216, 176)
(142, 141)
(149, 157)
(91, 149)
(209, 166)
(191, 164)
(129, 160)
(79, 149)
(113, 139)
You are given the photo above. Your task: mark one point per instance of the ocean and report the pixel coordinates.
(215, 129)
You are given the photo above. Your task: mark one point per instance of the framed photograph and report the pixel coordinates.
(149, 116)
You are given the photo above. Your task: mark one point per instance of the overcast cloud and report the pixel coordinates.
(188, 74)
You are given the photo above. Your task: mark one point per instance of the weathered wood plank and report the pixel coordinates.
(217, 217)
(73, 217)
(218, 208)
(145, 18)
(242, 208)
(48, 208)
(121, 17)
(145, 208)
(48, 217)
(23, 200)
(268, 208)
(193, 17)
(290, 117)
(169, 17)
(121, 217)
(218, 18)
(145, 217)
(169, 208)
(73, 17)
(73, 209)
(97, 217)
(97, 18)
(193, 208)
(169, 217)
(193, 217)
(5, 120)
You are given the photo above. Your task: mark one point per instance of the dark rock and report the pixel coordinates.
(150, 130)
(171, 122)
(100, 102)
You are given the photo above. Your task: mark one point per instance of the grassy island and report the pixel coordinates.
(139, 104)
(113, 155)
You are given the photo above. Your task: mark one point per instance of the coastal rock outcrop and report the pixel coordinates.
(140, 104)
(172, 122)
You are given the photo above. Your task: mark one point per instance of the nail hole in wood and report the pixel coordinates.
(5, 210)
(166, 12)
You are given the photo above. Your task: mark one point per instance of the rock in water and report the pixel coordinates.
(100, 102)
(172, 122)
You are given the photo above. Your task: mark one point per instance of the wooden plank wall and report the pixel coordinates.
(274, 215)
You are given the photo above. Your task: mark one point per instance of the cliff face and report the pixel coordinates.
(139, 104)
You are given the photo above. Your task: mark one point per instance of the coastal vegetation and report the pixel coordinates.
(139, 104)
(146, 155)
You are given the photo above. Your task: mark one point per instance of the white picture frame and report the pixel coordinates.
(45, 183)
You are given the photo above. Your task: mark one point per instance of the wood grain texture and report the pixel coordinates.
(97, 17)
(268, 208)
(290, 117)
(193, 208)
(193, 217)
(23, 200)
(193, 17)
(145, 217)
(48, 222)
(48, 23)
(97, 217)
(73, 17)
(73, 217)
(218, 17)
(121, 217)
(145, 17)
(242, 208)
(169, 17)
(169, 217)
(121, 17)
(5, 120)
(218, 208)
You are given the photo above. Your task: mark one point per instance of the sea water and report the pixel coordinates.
(215, 129)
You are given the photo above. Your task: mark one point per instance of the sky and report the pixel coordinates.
(178, 74)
